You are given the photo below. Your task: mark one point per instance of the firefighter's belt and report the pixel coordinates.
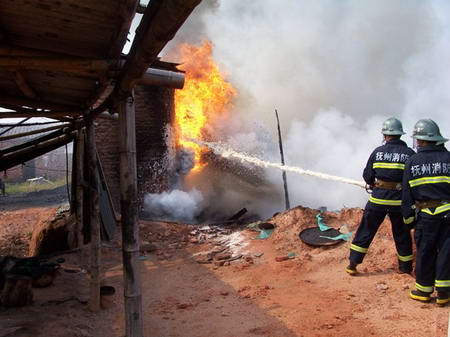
(430, 204)
(388, 185)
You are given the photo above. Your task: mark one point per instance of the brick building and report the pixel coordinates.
(155, 145)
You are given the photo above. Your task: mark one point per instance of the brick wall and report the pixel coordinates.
(154, 143)
(107, 142)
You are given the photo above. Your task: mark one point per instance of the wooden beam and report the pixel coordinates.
(28, 102)
(33, 132)
(23, 85)
(72, 64)
(46, 114)
(129, 211)
(10, 50)
(79, 188)
(94, 216)
(101, 95)
(33, 142)
(10, 127)
(127, 10)
(32, 151)
(160, 22)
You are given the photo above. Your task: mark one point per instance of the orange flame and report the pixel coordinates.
(206, 96)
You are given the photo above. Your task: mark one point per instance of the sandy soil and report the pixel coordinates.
(309, 295)
(16, 228)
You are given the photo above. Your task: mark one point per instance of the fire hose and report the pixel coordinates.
(225, 152)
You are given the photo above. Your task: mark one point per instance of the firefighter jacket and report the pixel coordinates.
(427, 178)
(387, 163)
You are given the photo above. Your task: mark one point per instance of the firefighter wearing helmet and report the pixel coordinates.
(383, 173)
(426, 204)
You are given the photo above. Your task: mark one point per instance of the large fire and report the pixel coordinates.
(205, 97)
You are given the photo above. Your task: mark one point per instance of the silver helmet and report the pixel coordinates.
(427, 129)
(392, 127)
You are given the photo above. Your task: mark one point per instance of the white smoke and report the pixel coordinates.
(174, 205)
(334, 70)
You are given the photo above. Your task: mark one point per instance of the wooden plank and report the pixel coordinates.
(24, 86)
(57, 63)
(94, 298)
(129, 212)
(63, 14)
(105, 6)
(9, 50)
(23, 101)
(91, 49)
(45, 29)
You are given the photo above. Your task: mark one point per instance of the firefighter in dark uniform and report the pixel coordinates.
(426, 202)
(384, 173)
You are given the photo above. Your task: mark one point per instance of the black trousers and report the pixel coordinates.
(432, 238)
(367, 229)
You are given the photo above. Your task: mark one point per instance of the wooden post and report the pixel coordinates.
(79, 188)
(94, 299)
(129, 211)
(286, 192)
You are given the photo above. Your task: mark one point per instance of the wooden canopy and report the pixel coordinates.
(64, 57)
(56, 55)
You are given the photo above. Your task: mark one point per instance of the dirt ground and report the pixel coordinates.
(185, 295)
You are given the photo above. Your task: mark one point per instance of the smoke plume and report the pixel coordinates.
(174, 205)
(334, 70)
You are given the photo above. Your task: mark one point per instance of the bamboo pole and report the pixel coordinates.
(31, 143)
(12, 159)
(10, 127)
(286, 192)
(94, 298)
(34, 113)
(79, 155)
(33, 132)
(129, 211)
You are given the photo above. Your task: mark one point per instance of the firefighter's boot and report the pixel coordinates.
(351, 269)
(420, 296)
(442, 299)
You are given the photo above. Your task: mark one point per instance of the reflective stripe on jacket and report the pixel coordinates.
(427, 177)
(387, 163)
